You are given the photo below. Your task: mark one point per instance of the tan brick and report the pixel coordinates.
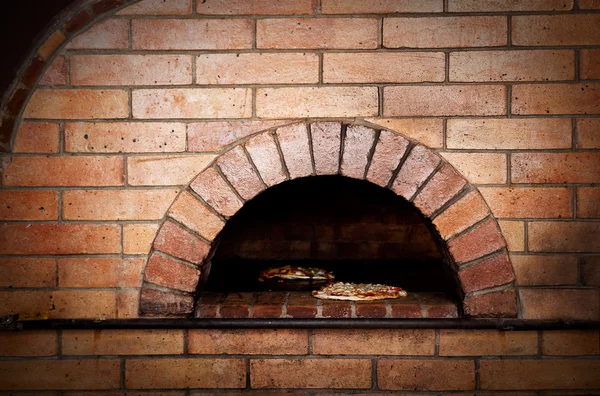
(501, 303)
(487, 343)
(570, 342)
(556, 99)
(389, 151)
(514, 233)
(117, 204)
(310, 373)
(590, 271)
(485, 238)
(59, 238)
(589, 64)
(442, 187)
(137, 238)
(165, 170)
(293, 140)
(444, 100)
(256, 7)
(216, 192)
(249, 342)
(125, 393)
(326, 144)
(358, 143)
(316, 102)
(373, 342)
(436, 32)
(180, 243)
(555, 168)
(192, 103)
(192, 213)
(86, 272)
(56, 73)
(587, 202)
(78, 103)
(383, 67)
(540, 303)
(461, 215)
(550, 30)
(479, 168)
(29, 343)
(27, 272)
(265, 156)
(417, 167)
(35, 303)
(28, 205)
(589, 4)
(131, 70)
(380, 6)
(191, 34)
(318, 33)
(37, 137)
(491, 272)
(541, 374)
(122, 342)
(167, 272)
(509, 133)
(545, 270)
(128, 303)
(85, 304)
(110, 34)
(511, 5)
(426, 374)
(257, 68)
(427, 131)
(126, 137)
(238, 170)
(51, 44)
(185, 373)
(158, 7)
(529, 202)
(587, 133)
(60, 374)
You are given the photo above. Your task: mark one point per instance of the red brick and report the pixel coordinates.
(487, 343)
(310, 373)
(427, 131)
(137, 238)
(27, 272)
(87, 272)
(461, 215)
(176, 241)
(257, 68)
(587, 202)
(336, 309)
(436, 32)
(192, 103)
(164, 271)
(158, 7)
(509, 133)
(500, 5)
(587, 135)
(37, 137)
(159, 303)
(122, 342)
(538, 30)
(185, 373)
(444, 100)
(529, 202)
(110, 34)
(78, 103)
(589, 4)
(216, 192)
(564, 236)
(589, 66)
(444, 185)
(556, 99)
(60, 374)
(373, 342)
(165, 170)
(51, 45)
(117, 204)
(265, 156)
(293, 140)
(407, 310)
(128, 304)
(358, 143)
(479, 168)
(208, 305)
(420, 163)
(485, 238)
(194, 214)
(28, 205)
(383, 67)
(256, 7)
(301, 305)
(29, 343)
(56, 73)
(125, 393)
(512, 66)
(380, 6)
(555, 168)
(537, 270)
(248, 342)
(581, 304)
(191, 34)
(491, 272)
(389, 151)
(269, 305)
(237, 169)
(297, 102)
(570, 342)
(237, 305)
(501, 304)
(590, 271)
(431, 375)
(376, 309)
(213, 136)
(329, 33)
(541, 374)
(59, 238)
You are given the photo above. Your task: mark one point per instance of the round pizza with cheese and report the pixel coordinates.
(289, 272)
(358, 292)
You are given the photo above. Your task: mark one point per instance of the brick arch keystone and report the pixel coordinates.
(179, 258)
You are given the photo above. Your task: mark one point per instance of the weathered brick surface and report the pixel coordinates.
(514, 233)
(110, 34)
(587, 136)
(444, 185)
(556, 99)
(417, 167)
(560, 304)
(78, 104)
(427, 131)
(373, 342)
(326, 144)
(572, 343)
(465, 212)
(248, 342)
(496, 5)
(122, 342)
(479, 168)
(166, 272)
(165, 170)
(491, 272)
(174, 240)
(37, 137)
(28, 205)
(487, 343)
(238, 170)
(590, 271)
(160, 303)
(483, 239)
(589, 66)
(128, 303)
(216, 192)
(29, 343)
(87, 272)
(501, 303)
(548, 30)
(56, 73)
(387, 155)
(256, 7)
(589, 4)
(265, 156)
(587, 202)
(432, 375)
(27, 272)
(529, 202)
(357, 147)
(192, 213)
(158, 7)
(295, 148)
(555, 167)
(380, 6)
(137, 238)
(536, 270)
(564, 236)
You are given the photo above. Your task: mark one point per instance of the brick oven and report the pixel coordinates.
(157, 154)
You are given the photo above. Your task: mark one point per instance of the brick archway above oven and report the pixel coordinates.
(187, 237)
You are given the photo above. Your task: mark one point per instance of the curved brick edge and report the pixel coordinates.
(181, 252)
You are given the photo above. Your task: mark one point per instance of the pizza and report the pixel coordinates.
(289, 272)
(358, 292)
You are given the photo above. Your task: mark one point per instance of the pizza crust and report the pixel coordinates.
(358, 292)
